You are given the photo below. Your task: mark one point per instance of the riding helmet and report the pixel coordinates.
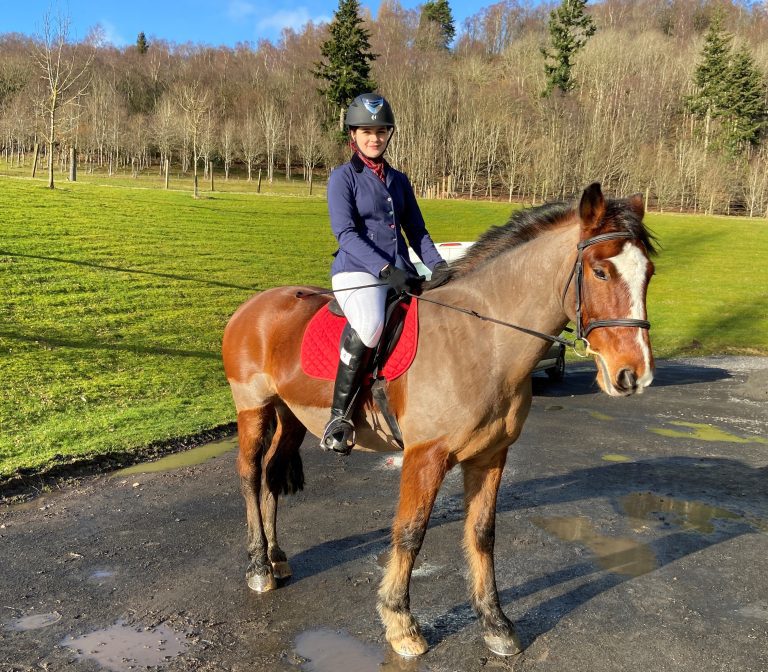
(369, 109)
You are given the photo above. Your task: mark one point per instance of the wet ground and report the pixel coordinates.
(632, 534)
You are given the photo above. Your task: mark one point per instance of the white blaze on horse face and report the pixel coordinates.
(632, 266)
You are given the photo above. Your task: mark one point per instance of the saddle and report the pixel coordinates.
(391, 358)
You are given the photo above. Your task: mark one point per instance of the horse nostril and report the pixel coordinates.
(627, 380)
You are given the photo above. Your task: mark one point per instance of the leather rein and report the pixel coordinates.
(580, 344)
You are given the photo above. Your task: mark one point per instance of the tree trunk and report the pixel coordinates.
(35, 158)
(167, 171)
(72, 164)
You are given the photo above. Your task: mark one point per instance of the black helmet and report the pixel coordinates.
(369, 109)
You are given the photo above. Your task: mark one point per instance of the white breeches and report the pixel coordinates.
(363, 308)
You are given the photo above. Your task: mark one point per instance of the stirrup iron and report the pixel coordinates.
(338, 436)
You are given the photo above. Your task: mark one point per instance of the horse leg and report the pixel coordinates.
(254, 430)
(282, 471)
(424, 468)
(481, 486)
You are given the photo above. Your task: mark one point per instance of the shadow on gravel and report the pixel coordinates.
(733, 496)
(580, 380)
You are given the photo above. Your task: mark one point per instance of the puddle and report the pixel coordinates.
(121, 647)
(553, 407)
(703, 432)
(689, 515)
(34, 622)
(619, 555)
(187, 458)
(101, 574)
(328, 651)
(597, 415)
(616, 457)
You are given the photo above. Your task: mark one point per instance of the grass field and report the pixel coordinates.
(113, 301)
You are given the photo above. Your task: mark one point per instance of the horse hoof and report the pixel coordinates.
(281, 570)
(410, 647)
(262, 583)
(503, 646)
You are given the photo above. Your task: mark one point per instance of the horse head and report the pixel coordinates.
(612, 275)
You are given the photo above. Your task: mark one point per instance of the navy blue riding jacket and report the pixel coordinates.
(368, 218)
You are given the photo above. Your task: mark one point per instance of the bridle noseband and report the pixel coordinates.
(578, 271)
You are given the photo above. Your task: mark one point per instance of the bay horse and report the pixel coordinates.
(466, 396)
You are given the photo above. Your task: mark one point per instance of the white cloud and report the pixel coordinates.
(294, 19)
(111, 36)
(237, 10)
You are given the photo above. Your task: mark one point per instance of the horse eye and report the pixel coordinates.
(600, 273)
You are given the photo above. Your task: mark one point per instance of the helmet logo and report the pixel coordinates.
(373, 106)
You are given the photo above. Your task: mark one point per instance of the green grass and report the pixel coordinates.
(113, 302)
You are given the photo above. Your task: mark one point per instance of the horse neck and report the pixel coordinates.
(524, 285)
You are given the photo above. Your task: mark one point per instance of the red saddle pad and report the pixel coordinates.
(322, 338)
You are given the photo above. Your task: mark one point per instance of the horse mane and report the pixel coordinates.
(527, 224)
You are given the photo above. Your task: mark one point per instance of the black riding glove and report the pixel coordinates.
(398, 279)
(440, 275)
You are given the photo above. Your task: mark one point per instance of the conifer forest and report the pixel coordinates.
(521, 102)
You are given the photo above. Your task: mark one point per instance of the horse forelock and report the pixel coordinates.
(528, 224)
(619, 216)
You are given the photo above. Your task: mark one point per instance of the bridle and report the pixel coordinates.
(580, 343)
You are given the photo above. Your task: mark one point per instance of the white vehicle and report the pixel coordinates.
(553, 362)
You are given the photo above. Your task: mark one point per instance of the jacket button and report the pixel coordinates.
(389, 199)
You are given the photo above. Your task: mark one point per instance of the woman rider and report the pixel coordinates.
(370, 204)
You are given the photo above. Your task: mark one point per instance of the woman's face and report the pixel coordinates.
(371, 141)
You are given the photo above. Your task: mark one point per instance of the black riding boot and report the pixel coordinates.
(339, 433)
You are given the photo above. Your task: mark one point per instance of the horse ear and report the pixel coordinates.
(592, 206)
(637, 205)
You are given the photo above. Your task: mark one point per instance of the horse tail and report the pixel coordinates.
(283, 464)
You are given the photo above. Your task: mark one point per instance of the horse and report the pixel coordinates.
(466, 395)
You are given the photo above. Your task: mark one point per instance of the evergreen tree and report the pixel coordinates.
(569, 28)
(346, 69)
(437, 20)
(744, 102)
(712, 74)
(142, 46)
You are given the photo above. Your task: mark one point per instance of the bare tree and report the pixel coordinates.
(195, 102)
(64, 74)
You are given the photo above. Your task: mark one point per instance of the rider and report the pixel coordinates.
(370, 204)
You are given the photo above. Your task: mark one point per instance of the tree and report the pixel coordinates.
(437, 23)
(744, 102)
(711, 77)
(346, 69)
(142, 46)
(65, 79)
(569, 28)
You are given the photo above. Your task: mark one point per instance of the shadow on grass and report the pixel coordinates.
(718, 329)
(119, 269)
(95, 345)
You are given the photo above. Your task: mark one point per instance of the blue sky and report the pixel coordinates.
(212, 22)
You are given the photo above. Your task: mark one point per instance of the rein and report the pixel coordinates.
(579, 343)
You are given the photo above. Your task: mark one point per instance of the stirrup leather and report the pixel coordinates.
(338, 436)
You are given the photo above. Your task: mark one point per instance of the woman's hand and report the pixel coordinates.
(399, 280)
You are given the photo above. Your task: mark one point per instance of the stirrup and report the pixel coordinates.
(338, 436)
